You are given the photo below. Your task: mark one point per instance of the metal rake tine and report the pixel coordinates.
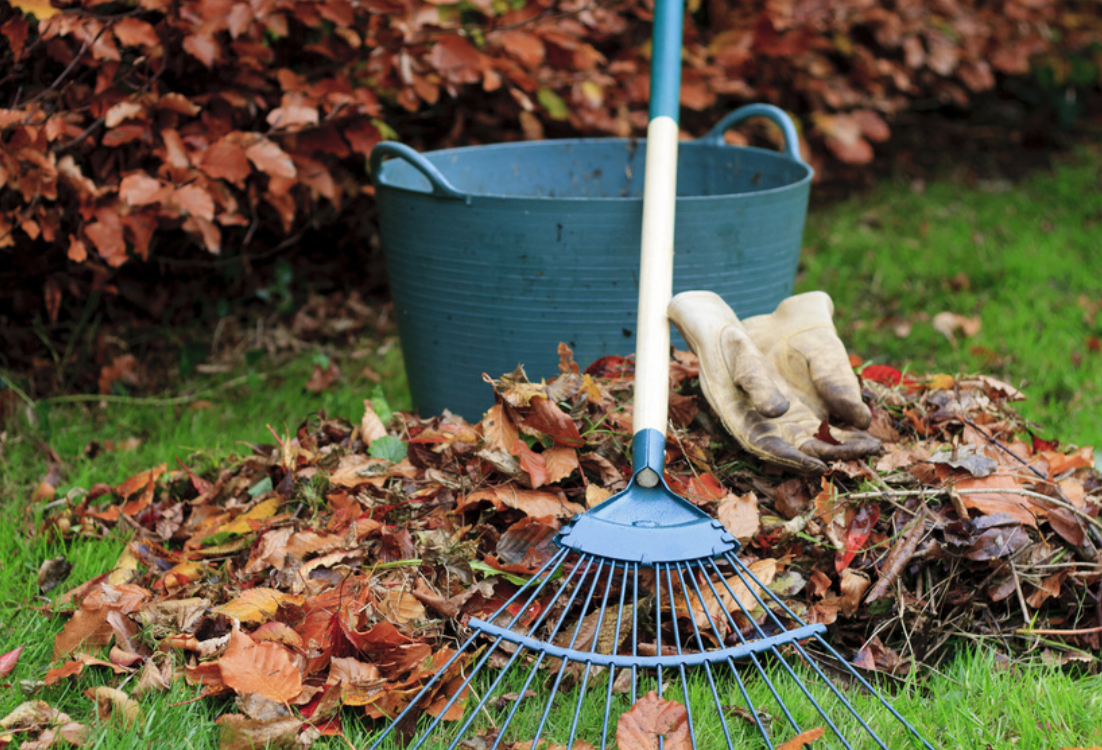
(658, 630)
(634, 629)
(612, 669)
(478, 667)
(677, 645)
(589, 665)
(520, 697)
(865, 684)
(753, 660)
(753, 657)
(707, 667)
(811, 662)
(573, 640)
(551, 564)
(740, 568)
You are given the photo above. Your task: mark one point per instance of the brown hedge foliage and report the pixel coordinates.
(123, 121)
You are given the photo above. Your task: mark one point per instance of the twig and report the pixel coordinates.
(898, 558)
(1050, 631)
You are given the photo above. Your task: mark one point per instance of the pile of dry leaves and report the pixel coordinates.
(338, 566)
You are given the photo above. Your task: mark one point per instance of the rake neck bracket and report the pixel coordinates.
(647, 522)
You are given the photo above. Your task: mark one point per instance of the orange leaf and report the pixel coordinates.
(203, 48)
(106, 234)
(456, 60)
(262, 668)
(78, 253)
(531, 462)
(255, 605)
(651, 718)
(67, 669)
(225, 160)
(271, 159)
(132, 32)
(803, 739)
(194, 201)
(139, 189)
(535, 503)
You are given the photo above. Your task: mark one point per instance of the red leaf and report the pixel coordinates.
(857, 533)
(882, 374)
(548, 418)
(9, 660)
(824, 434)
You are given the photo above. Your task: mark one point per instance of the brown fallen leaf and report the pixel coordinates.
(264, 668)
(242, 733)
(111, 702)
(652, 717)
(740, 515)
(803, 739)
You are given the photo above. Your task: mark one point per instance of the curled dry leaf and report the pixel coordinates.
(239, 732)
(111, 702)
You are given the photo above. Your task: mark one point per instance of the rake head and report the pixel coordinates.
(646, 624)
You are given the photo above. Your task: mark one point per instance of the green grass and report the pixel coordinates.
(1020, 260)
(1024, 260)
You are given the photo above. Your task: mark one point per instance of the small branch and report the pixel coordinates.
(1048, 631)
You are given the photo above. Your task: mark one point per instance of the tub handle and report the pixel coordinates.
(441, 188)
(777, 115)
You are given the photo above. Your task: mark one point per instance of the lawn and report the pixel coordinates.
(1014, 266)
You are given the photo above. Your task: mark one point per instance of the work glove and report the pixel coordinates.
(774, 380)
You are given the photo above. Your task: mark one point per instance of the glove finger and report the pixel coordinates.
(749, 371)
(855, 446)
(775, 450)
(841, 392)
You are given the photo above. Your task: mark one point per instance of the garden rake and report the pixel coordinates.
(645, 592)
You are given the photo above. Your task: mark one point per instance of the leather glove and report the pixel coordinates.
(774, 379)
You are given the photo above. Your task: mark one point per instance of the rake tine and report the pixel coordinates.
(588, 664)
(677, 645)
(848, 667)
(551, 565)
(700, 645)
(573, 640)
(612, 669)
(478, 667)
(520, 697)
(740, 568)
(753, 659)
(658, 629)
(634, 629)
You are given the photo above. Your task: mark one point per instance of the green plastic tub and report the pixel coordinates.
(495, 254)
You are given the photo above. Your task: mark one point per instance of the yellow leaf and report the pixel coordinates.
(37, 8)
(258, 512)
(125, 569)
(258, 604)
